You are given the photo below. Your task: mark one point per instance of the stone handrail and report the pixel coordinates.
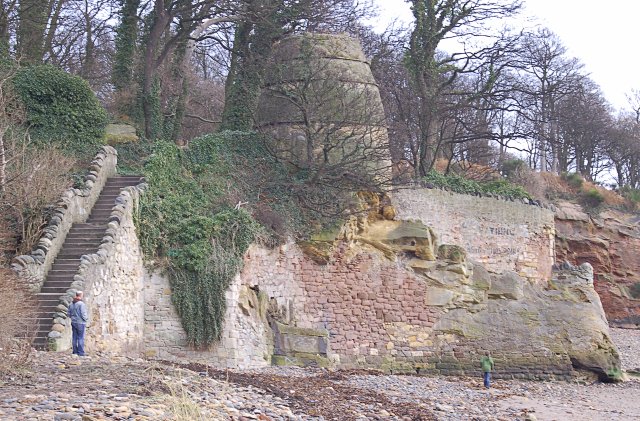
(74, 207)
(116, 261)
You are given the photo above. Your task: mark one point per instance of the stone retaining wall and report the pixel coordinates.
(73, 207)
(503, 235)
(381, 315)
(246, 336)
(112, 279)
(389, 299)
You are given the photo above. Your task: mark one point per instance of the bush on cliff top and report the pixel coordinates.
(459, 184)
(61, 109)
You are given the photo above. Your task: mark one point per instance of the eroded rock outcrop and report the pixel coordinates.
(610, 242)
(385, 294)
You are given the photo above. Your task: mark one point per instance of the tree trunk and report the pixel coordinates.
(89, 49)
(5, 30)
(127, 34)
(53, 16)
(3, 164)
(32, 24)
(149, 98)
(237, 113)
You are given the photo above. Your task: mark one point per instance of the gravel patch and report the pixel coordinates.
(65, 387)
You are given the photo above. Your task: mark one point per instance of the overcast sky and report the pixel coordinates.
(604, 35)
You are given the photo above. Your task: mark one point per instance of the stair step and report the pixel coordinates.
(80, 242)
(129, 178)
(114, 188)
(120, 182)
(66, 261)
(61, 283)
(54, 290)
(100, 212)
(85, 227)
(47, 311)
(88, 241)
(86, 237)
(87, 231)
(62, 268)
(78, 252)
(59, 274)
(57, 285)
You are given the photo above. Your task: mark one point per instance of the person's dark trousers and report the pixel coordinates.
(77, 338)
(487, 379)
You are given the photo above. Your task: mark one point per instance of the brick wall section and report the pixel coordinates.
(376, 315)
(380, 314)
(354, 300)
(502, 235)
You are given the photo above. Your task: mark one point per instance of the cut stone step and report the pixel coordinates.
(78, 253)
(75, 243)
(60, 277)
(58, 291)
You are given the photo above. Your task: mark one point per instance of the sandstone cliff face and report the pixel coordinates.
(384, 293)
(610, 242)
(391, 298)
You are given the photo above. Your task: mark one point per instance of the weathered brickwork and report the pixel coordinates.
(500, 234)
(377, 317)
(389, 299)
(357, 300)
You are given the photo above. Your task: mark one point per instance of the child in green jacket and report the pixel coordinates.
(487, 368)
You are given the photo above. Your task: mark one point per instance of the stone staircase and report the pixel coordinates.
(82, 239)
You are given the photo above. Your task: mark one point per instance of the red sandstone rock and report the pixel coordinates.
(611, 244)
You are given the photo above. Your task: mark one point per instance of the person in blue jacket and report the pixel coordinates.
(77, 311)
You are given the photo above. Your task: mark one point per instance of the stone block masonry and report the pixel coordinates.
(246, 338)
(73, 207)
(412, 313)
(502, 235)
(379, 314)
(112, 280)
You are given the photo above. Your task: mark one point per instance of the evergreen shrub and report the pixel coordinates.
(592, 198)
(206, 204)
(574, 180)
(459, 184)
(61, 109)
(190, 223)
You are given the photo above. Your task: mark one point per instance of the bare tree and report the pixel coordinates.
(434, 71)
(548, 76)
